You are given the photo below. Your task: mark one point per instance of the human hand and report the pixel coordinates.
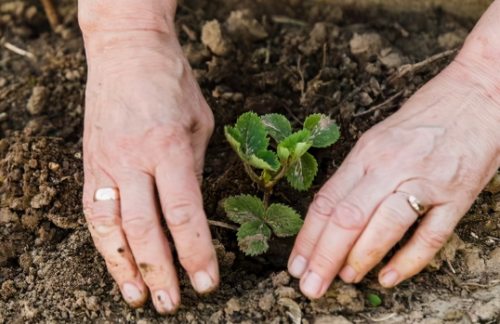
(440, 147)
(147, 126)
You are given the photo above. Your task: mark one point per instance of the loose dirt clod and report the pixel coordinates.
(212, 37)
(242, 26)
(38, 100)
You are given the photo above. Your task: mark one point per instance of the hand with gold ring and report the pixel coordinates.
(147, 126)
(430, 159)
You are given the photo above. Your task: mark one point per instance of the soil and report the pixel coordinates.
(291, 57)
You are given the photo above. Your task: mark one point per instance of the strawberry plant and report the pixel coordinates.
(250, 139)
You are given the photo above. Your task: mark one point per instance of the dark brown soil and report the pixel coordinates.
(296, 58)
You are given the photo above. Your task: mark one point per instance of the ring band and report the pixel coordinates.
(104, 194)
(417, 206)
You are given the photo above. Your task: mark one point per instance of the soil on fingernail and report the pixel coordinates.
(290, 57)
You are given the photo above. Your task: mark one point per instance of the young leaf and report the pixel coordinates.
(244, 208)
(266, 160)
(374, 300)
(253, 237)
(277, 126)
(301, 174)
(283, 220)
(324, 132)
(283, 153)
(296, 144)
(301, 148)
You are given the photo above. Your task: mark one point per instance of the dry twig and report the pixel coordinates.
(285, 105)
(380, 106)
(287, 20)
(268, 53)
(19, 51)
(222, 224)
(407, 68)
(51, 12)
(450, 266)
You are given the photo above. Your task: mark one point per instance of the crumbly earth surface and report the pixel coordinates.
(291, 57)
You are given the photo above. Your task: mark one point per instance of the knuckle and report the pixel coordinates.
(139, 228)
(322, 205)
(305, 243)
(349, 216)
(324, 258)
(431, 239)
(196, 259)
(389, 216)
(102, 222)
(179, 213)
(367, 139)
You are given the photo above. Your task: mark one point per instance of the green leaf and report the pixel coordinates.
(312, 121)
(296, 144)
(283, 153)
(244, 208)
(277, 126)
(283, 220)
(374, 300)
(234, 138)
(301, 148)
(253, 133)
(253, 237)
(291, 141)
(266, 160)
(301, 174)
(324, 132)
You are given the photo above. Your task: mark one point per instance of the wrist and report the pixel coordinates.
(132, 23)
(478, 86)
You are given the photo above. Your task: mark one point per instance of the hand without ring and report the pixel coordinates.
(417, 206)
(104, 194)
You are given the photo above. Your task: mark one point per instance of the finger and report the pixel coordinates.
(387, 226)
(348, 220)
(431, 234)
(182, 206)
(104, 222)
(141, 224)
(337, 187)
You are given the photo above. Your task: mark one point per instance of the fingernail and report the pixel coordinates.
(164, 301)
(203, 282)
(389, 279)
(348, 274)
(312, 284)
(131, 293)
(298, 266)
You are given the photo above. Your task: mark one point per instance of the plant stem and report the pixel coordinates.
(255, 178)
(281, 173)
(267, 195)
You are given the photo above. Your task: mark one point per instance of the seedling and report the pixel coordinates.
(374, 300)
(249, 138)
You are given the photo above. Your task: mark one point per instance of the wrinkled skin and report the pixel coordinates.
(147, 126)
(436, 148)
(146, 131)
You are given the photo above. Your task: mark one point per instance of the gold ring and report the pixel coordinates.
(417, 206)
(104, 194)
